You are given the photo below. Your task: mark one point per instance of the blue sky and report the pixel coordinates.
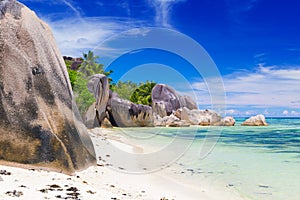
(254, 43)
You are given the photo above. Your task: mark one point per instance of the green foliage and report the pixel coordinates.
(142, 95)
(84, 99)
(73, 76)
(124, 89)
(79, 79)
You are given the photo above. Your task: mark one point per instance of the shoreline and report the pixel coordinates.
(104, 182)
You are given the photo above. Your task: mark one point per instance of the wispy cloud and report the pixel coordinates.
(73, 41)
(238, 8)
(163, 11)
(267, 87)
(71, 5)
(76, 33)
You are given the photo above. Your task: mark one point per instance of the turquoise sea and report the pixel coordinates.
(260, 163)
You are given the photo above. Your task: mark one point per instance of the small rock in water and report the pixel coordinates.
(263, 186)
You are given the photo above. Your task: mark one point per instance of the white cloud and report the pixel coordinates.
(76, 34)
(75, 37)
(232, 112)
(162, 11)
(295, 113)
(285, 112)
(267, 87)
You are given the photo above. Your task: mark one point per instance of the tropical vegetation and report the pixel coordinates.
(79, 75)
(142, 95)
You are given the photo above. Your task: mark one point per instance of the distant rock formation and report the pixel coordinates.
(169, 121)
(37, 124)
(200, 117)
(124, 113)
(228, 121)
(76, 62)
(165, 100)
(258, 120)
(99, 86)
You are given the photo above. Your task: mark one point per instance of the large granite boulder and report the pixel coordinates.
(124, 113)
(165, 100)
(99, 86)
(200, 117)
(39, 123)
(258, 120)
(188, 102)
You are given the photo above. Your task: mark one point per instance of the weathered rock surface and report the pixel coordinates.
(200, 117)
(123, 113)
(38, 125)
(188, 102)
(226, 121)
(258, 120)
(99, 86)
(169, 121)
(165, 100)
(90, 118)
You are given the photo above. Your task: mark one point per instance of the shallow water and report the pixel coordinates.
(257, 162)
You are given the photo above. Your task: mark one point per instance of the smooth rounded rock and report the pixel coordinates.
(39, 121)
(258, 120)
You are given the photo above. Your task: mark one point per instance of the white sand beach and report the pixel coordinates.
(104, 182)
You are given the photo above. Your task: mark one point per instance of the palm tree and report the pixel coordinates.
(89, 65)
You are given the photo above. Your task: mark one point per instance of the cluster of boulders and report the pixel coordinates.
(168, 109)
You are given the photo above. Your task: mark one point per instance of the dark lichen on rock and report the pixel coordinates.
(38, 125)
